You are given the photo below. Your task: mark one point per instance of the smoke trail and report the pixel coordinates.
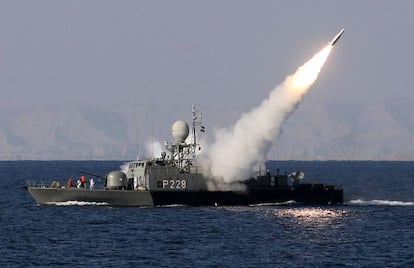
(153, 149)
(238, 150)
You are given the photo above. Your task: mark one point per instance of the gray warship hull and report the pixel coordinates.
(305, 194)
(49, 196)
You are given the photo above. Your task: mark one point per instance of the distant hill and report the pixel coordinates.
(315, 131)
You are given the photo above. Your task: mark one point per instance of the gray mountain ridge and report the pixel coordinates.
(360, 132)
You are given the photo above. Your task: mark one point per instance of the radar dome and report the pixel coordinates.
(180, 131)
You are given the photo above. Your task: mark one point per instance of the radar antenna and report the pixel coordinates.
(183, 154)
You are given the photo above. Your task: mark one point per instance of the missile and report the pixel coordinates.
(336, 38)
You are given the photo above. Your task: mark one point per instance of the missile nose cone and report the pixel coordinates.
(336, 38)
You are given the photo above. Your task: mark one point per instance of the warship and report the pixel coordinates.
(175, 178)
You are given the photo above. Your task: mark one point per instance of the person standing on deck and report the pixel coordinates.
(83, 181)
(70, 182)
(91, 183)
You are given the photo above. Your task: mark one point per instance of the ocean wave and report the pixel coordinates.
(274, 204)
(77, 203)
(376, 202)
(168, 206)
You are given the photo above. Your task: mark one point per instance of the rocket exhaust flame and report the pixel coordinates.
(239, 149)
(307, 74)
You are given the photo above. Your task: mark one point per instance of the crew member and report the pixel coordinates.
(70, 182)
(91, 183)
(83, 181)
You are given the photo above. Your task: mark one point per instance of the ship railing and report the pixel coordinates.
(42, 184)
(261, 170)
(32, 183)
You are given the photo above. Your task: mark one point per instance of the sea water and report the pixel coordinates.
(374, 228)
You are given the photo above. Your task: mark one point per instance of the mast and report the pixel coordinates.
(183, 154)
(197, 121)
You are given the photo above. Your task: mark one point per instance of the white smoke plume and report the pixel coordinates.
(239, 149)
(153, 149)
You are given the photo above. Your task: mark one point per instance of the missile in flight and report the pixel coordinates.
(336, 38)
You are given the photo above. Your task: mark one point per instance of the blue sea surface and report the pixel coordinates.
(374, 228)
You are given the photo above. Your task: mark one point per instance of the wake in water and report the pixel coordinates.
(287, 203)
(375, 202)
(77, 203)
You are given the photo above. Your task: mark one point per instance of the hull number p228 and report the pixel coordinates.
(174, 184)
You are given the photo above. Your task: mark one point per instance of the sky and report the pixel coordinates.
(104, 75)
